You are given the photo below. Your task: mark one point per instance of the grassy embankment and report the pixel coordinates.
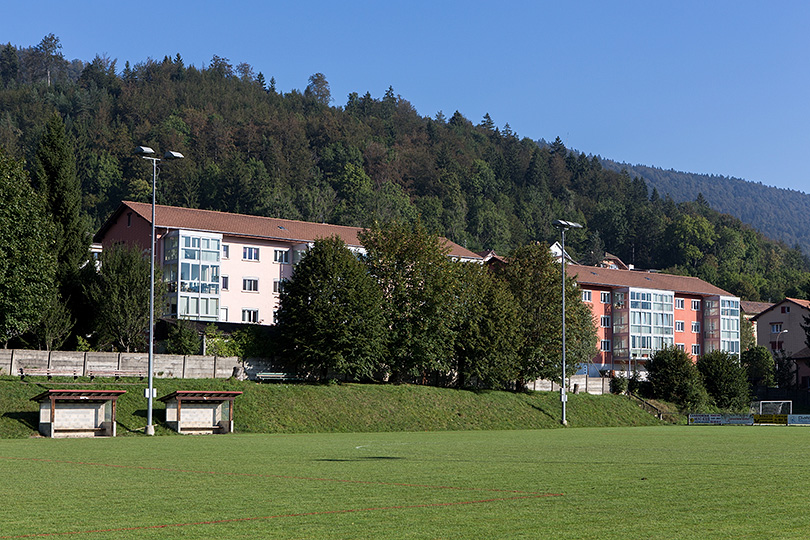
(305, 408)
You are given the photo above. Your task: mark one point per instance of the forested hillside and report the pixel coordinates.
(777, 212)
(309, 155)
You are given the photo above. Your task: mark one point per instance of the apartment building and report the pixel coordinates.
(637, 313)
(223, 267)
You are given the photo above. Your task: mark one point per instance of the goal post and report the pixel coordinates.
(772, 407)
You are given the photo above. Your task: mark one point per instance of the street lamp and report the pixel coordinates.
(564, 226)
(776, 349)
(146, 153)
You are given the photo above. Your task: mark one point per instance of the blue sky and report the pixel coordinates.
(719, 87)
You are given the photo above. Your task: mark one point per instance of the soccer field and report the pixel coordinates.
(660, 482)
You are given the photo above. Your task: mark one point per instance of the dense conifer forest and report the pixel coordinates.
(365, 157)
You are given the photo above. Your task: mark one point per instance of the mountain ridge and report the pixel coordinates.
(777, 212)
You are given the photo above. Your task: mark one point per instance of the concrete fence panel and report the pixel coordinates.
(31, 359)
(198, 367)
(101, 361)
(133, 361)
(223, 366)
(169, 366)
(5, 361)
(68, 361)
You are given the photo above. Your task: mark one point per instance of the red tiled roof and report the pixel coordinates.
(801, 303)
(252, 226)
(608, 277)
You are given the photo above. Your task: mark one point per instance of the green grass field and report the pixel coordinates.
(643, 482)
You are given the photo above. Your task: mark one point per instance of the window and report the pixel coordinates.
(679, 303)
(250, 315)
(785, 309)
(225, 282)
(680, 346)
(695, 305)
(695, 327)
(605, 345)
(250, 284)
(250, 253)
(604, 297)
(282, 256)
(278, 285)
(776, 328)
(226, 251)
(679, 326)
(129, 221)
(223, 314)
(604, 321)
(696, 350)
(586, 296)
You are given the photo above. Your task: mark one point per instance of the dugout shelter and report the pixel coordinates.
(77, 413)
(200, 411)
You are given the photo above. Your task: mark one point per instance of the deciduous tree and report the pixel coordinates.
(534, 280)
(331, 317)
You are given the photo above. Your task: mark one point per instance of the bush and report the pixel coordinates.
(725, 379)
(759, 364)
(618, 385)
(673, 377)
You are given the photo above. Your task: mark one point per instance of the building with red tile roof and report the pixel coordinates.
(226, 267)
(639, 312)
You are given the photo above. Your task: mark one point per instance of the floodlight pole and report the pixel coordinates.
(146, 153)
(564, 226)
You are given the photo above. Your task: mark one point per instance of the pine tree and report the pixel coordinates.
(55, 179)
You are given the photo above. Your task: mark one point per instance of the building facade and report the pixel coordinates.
(221, 267)
(637, 313)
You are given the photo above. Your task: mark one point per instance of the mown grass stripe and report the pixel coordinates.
(279, 476)
(282, 516)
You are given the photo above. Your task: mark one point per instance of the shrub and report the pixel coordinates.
(673, 377)
(759, 364)
(618, 385)
(725, 379)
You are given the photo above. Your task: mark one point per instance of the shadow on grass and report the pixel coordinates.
(367, 458)
(28, 419)
(542, 410)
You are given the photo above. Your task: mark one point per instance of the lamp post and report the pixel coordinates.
(564, 226)
(146, 153)
(776, 349)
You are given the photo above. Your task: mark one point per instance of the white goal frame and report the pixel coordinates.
(758, 405)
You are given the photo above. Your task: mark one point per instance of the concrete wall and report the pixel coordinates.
(166, 365)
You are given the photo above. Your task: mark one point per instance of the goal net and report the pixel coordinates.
(772, 407)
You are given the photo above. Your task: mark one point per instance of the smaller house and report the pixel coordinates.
(200, 411)
(77, 413)
(779, 328)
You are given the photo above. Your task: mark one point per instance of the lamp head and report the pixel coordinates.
(144, 150)
(173, 155)
(560, 224)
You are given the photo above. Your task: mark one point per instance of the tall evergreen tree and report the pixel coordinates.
(27, 260)
(55, 179)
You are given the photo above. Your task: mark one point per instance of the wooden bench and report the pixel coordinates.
(280, 377)
(48, 373)
(117, 373)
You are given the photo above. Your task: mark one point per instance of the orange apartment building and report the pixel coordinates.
(637, 313)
